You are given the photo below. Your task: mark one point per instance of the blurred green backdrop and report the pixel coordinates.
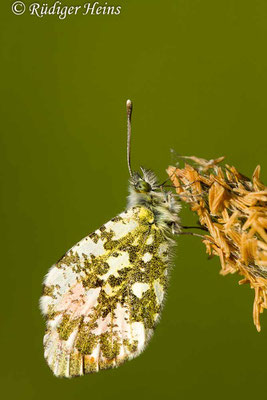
(196, 71)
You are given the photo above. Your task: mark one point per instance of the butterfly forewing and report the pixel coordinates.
(103, 298)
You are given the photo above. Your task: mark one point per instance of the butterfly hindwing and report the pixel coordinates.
(103, 298)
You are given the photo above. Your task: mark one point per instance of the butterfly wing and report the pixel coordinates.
(103, 298)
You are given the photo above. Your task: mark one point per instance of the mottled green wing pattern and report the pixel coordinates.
(103, 298)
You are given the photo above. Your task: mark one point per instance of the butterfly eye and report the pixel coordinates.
(142, 187)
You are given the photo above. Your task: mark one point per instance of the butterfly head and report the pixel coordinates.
(141, 186)
(145, 183)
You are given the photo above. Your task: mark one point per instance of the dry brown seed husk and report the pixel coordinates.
(233, 208)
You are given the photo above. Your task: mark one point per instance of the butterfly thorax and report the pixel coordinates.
(145, 191)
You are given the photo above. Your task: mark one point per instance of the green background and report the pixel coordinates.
(196, 72)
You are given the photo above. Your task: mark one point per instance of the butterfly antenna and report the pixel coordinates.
(129, 108)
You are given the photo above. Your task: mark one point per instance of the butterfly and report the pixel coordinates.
(103, 298)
